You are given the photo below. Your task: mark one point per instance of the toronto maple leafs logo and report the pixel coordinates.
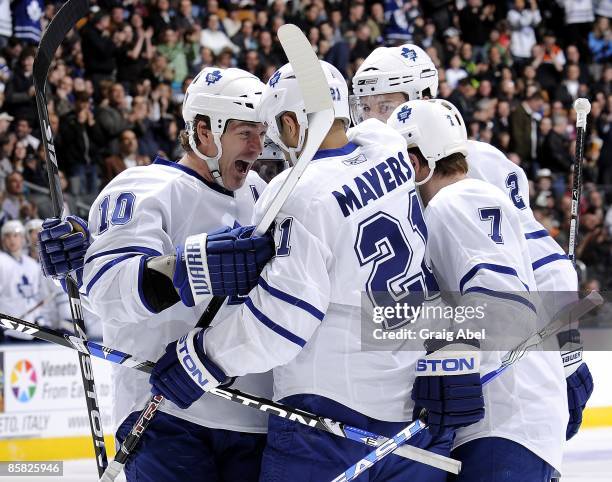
(25, 288)
(274, 79)
(404, 114)
(213, 77)
(34, 10)
(410, 54)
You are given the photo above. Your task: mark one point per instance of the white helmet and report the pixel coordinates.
(271, 152)
(33, 224)
(282, 94)
(406, 69)
(434, 126)
(13, 226)
(221, 95)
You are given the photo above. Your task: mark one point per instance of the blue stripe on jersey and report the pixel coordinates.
(143, 300)
(292, 300)
(498, 268)
(273, 326)
(126, 249)
(105, 268)
(340, 151)
(501, 294)
(542, 233)
(213, 185)
(548, 259)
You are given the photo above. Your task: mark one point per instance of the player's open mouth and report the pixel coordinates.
(242, 166)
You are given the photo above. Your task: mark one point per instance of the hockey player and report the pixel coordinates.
(334, 239)
(20, 279)
(145, 213)
(390, 76)
(522, 434)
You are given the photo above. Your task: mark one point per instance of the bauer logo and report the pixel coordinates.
(23, 381)
(367, 81)
(213, 77)
(404, 114)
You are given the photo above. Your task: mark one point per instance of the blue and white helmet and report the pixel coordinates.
(434, 126)
(282, 94)
(222, 95)
(406, 69)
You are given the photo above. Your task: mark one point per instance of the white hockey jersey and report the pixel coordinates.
(20, 290)
(148, 211)
(552, 268)
(346, 229)
(477, 248)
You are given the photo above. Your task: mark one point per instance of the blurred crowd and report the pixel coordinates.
(513, 68)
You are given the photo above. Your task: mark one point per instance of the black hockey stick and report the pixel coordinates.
(65, 19)
(582, 107)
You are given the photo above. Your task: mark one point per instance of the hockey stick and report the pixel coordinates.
(565, 316)
(582, 107)
(65, 19)
(320, 111)
(318, 422)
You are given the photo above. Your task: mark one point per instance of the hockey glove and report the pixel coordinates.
(225, 262)
(184, 373)
(577, 377)
(448, 386)
(63, 245)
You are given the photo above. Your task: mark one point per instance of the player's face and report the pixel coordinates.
(242, 142)
(375, 106)
(13, 242)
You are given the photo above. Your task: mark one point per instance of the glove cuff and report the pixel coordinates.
(202, 371)
(197, 267)
(455, 359)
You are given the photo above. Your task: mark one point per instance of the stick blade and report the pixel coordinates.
(306, 67)
(63, 21)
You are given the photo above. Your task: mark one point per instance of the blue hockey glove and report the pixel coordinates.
(450, 391)
(63, 245)
(225, 262)
(184, 373)
(577, 377)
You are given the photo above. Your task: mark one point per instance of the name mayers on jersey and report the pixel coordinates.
(373, 183)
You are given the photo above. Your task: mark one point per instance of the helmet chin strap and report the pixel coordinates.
(432, 166)
(211, 162)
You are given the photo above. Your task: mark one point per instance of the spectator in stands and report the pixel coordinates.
(20, 101)
(568, 91)
(99, 50)
(524, 129)
(476, 21)
(76, 145)
(134, 54)
(112, 118)
(522, 22)
(14, 198)
(127, 157)
(214, 38)
(161, 16)
(173, 49)
(555, 154)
